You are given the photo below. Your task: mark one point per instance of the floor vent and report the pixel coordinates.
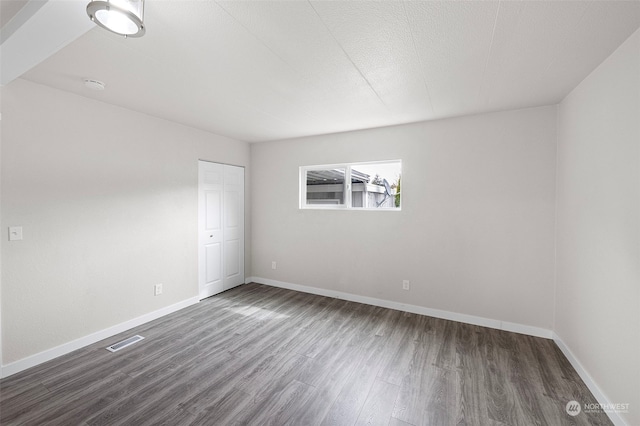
(124, 343)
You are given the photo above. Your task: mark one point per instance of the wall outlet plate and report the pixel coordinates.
(15, 233)
(157, 289)
(406, 285)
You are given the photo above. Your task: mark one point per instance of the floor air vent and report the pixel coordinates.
(124, 343)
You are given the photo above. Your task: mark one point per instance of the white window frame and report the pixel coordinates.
(347, 191)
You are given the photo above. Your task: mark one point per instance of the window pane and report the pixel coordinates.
(376, 185)
(326, 187)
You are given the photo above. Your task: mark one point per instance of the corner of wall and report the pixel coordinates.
(593, 163)
(555, 224)
(588, 380)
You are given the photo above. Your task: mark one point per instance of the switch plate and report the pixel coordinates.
(406, 285)
(157, 289)
(273, 265)
(15, 233)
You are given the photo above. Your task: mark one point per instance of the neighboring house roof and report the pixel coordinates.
(322, 177)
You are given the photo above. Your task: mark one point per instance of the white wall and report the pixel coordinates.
(0, 231)
(598, 227)
(475, 234)
(108, 201)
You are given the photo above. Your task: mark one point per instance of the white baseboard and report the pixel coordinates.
(49, 354)
(588, 380)
(454, 316)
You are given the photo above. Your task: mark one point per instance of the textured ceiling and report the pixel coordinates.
(9, 8)
(265, 70)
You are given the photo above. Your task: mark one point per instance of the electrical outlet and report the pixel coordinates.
(157, 289)
(273, 265)
(406, 285)
(15, 233)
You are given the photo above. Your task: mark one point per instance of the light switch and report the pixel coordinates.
(15, 233)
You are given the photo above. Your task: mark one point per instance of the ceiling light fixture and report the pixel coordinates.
(123, 17)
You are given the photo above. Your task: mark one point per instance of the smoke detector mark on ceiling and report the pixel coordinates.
(94, 84)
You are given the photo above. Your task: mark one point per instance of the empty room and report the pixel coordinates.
(313, 212)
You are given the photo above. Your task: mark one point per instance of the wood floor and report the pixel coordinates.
(259, 355)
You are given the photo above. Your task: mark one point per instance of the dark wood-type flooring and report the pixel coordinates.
(258, 355)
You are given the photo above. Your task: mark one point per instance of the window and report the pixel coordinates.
(366, 186)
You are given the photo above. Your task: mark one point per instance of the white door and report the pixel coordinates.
(233, 227)
(220, 227)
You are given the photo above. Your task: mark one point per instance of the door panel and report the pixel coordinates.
(213, 200)
(231, 209)
(233, 226)
(210, 266)
(213, 254)
(213, 176)
(232, 261)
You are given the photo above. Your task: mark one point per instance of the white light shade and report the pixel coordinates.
(124, 17)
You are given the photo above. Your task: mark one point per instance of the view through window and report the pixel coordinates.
(373, 186)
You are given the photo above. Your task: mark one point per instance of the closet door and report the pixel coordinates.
(220, 227)
(233, 227)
